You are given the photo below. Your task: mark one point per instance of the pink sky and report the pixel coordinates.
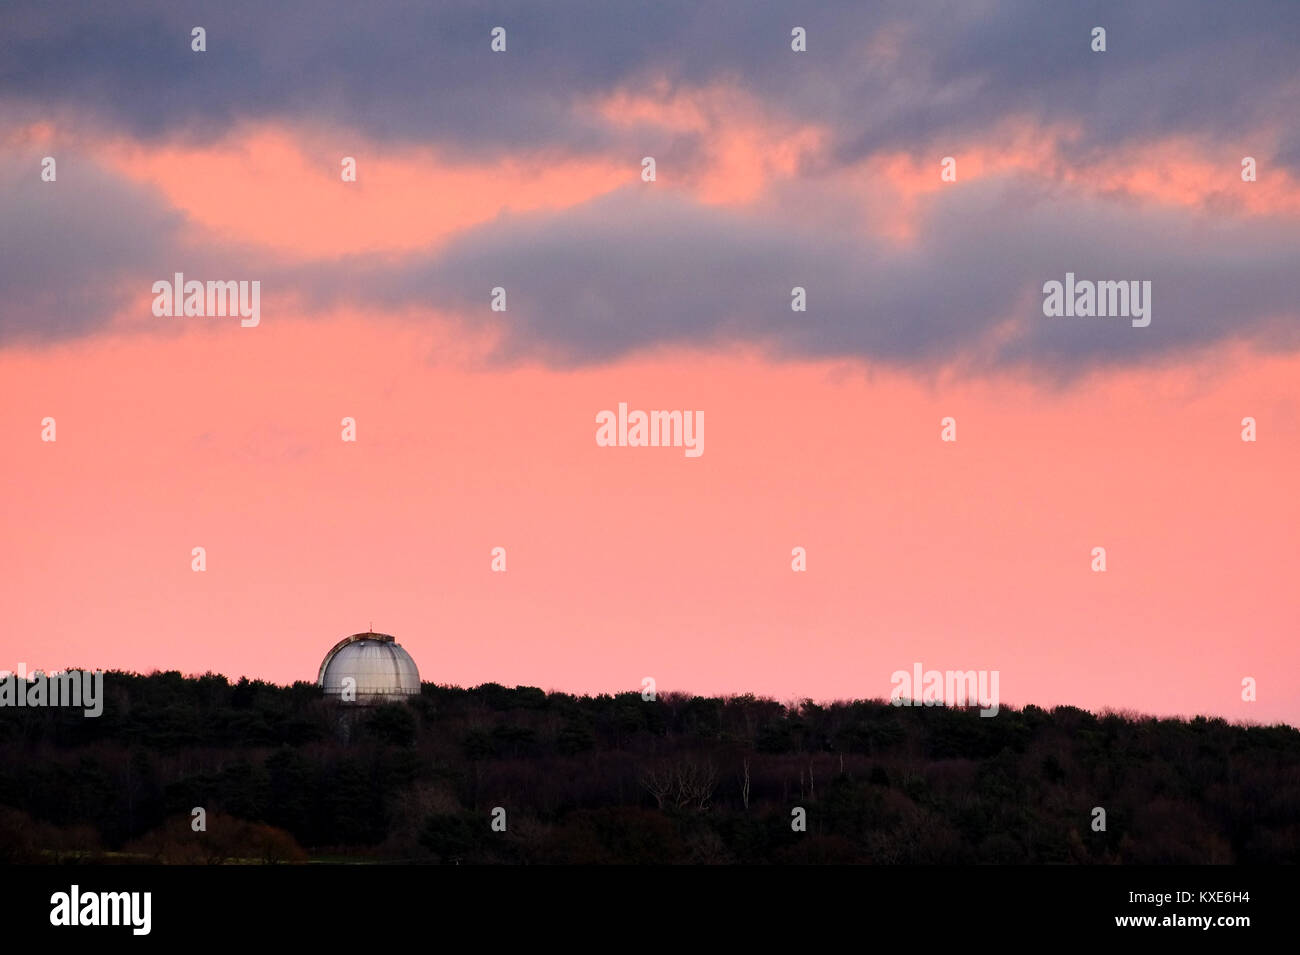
(626, 563)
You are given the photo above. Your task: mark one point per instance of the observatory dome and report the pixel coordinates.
(383, 671)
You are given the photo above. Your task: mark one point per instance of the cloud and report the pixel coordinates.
(883, 75)
(638, 269)
(70, 249)
(643, 267)
(895, 272)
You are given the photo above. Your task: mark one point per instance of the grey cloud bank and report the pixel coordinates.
(882, 75)
(644, 267)
(634, 270)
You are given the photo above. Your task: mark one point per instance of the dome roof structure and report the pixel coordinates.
(383, 672)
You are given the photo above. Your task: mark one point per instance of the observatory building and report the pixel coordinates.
(379, 669)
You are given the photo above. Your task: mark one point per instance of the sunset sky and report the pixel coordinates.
(476, 429)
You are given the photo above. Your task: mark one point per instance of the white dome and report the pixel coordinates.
(383, 671)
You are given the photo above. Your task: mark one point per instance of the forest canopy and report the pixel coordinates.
(283, 775)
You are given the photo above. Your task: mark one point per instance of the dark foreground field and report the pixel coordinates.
(284, 776)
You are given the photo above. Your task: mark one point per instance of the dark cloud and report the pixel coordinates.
(640, 268)
(77, 252)
(422, 71)
(70, 249)
(643, 267)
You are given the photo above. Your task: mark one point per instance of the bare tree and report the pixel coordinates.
(695, 783)
(680, 783)
(658, 781)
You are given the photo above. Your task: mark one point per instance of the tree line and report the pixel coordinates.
(284, 775)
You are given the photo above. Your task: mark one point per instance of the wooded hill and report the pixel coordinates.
(284, 775)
